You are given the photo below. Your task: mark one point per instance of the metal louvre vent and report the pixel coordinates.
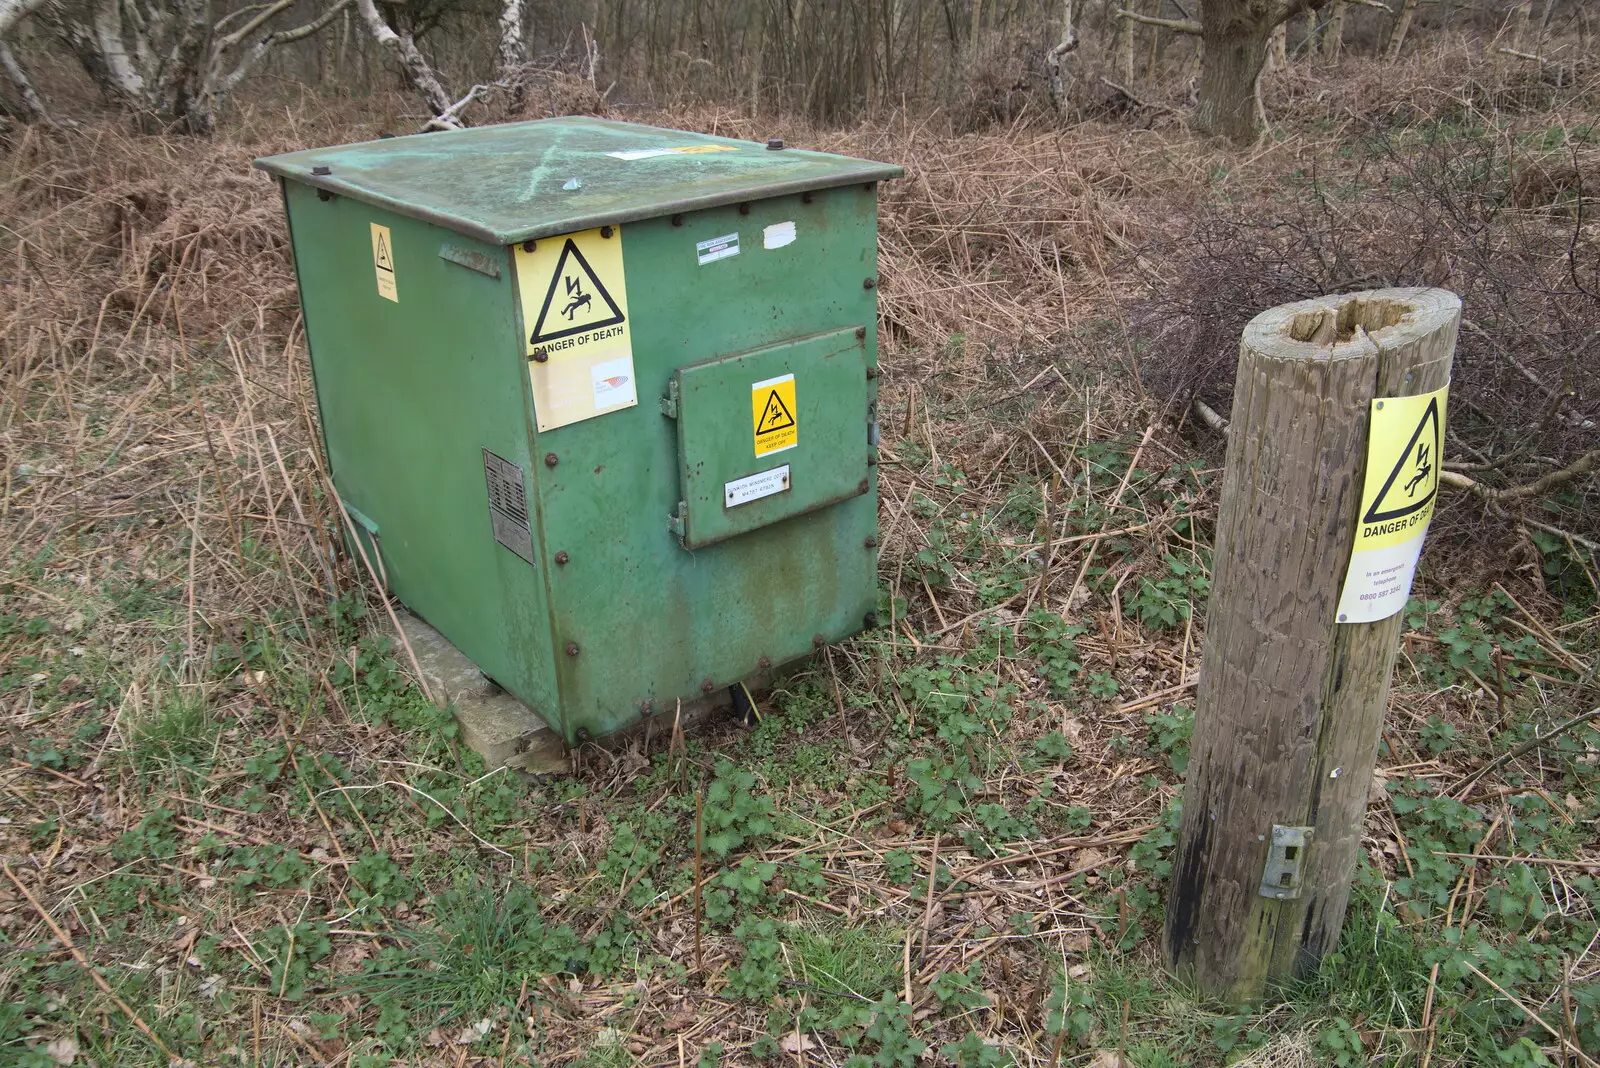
(508, 505)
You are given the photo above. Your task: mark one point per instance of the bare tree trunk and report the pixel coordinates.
(404, 50)
(1333, 32)
(756, 53)
(1057, 59)
(33, 110)
(1402, 26)
(1519, 23)
(1125, 50)
(1235, 36)
(513, 53)
(1278, 51)
(1230, 79)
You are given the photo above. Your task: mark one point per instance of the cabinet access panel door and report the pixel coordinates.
(773, 433)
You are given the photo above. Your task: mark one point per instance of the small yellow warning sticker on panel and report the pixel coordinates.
(383, 262)
(1402, 482)
(772, 413)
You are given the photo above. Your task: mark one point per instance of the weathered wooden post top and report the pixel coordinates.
(1332, 469)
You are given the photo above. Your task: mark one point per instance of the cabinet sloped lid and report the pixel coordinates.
(526, 180)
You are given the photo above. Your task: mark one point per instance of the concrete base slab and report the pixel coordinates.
(503, 730)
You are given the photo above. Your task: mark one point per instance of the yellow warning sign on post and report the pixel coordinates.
(383, 262)
(772, 412)
(575, 308)
(1404, 449)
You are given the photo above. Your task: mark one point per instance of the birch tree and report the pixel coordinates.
(425, 81)
(30, 105)
(171, 63)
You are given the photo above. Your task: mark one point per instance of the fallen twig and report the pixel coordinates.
(77, 955)
(1526, 747)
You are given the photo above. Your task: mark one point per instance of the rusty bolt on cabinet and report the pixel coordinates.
(863, 486)
(529, 246)
(764, 663)
(818, 641)
(572, 648)
(870, 542)
(583, 735)
(861, 334)
(872, 372)
(606, 231)
(551, 459)
(562, 557)
(869, 283)
(706, 686)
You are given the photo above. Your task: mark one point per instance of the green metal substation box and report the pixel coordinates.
(600, 398)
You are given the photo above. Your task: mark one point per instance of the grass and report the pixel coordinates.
(945, 842)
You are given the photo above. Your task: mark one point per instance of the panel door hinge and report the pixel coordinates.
(675, 520)
(669, 403)
(1286, 856)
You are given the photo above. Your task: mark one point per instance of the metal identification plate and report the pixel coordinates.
(754, 487)
(508, 505)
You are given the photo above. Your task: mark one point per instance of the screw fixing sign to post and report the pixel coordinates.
(575, 309)
(1402, 481)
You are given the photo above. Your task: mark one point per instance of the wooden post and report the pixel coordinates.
(1290, 702)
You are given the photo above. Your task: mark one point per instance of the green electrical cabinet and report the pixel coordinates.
(600, 398)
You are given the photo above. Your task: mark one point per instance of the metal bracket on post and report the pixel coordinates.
(1280, 880)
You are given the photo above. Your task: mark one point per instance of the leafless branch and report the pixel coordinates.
(258, 51)
(1191, 26)
(1583, 465)
(266, 16)
(448, 118)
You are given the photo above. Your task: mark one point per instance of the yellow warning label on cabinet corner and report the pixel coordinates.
(1404, 449)
(575, 309)
(772, 412)
(383, 262)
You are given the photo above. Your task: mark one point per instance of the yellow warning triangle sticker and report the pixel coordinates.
(380, 255)
(1414, 481)
(775, 417)
(576, 301)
